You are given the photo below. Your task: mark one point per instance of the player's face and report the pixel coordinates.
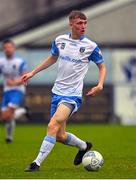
(78, 27)
(9, 49)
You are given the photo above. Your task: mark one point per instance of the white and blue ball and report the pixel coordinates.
(92, 161)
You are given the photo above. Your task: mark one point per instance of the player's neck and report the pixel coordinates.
(76, 36)
(9, 56)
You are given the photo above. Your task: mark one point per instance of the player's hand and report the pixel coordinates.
(95, 90)
(10, 82)
(25, 77)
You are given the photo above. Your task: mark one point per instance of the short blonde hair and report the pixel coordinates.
(76, 14)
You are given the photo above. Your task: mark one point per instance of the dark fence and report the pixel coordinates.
(98, 109)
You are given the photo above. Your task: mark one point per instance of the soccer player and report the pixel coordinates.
(74, 51)
(11, 67)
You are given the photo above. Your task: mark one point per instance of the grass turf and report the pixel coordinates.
(116, 143)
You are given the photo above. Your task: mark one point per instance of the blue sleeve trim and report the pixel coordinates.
(23, 67)
(54, 49)
(96, 56)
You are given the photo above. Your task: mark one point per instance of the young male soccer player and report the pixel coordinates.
(11, 67)
(74, 51)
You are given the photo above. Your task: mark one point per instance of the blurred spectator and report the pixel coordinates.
(12, 67)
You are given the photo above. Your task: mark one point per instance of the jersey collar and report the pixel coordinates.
(82, 37)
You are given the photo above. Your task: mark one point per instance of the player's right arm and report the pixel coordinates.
(45, 64)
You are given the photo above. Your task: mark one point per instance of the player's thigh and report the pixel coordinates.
(62, 113)
(59, 119)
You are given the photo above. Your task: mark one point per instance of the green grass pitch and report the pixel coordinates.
(116, 143)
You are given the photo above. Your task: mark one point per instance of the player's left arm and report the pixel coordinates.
(99, 87)
(97, 58)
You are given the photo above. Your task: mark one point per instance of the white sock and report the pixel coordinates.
(10, 127)
(46, 147)
(73, 140)
(19, 112)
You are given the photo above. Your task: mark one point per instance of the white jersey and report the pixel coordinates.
(12, 69)
(74, 57)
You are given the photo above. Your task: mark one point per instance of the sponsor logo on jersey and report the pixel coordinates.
(67, 58)
(73, 44)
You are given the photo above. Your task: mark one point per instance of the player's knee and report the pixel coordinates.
(53, 127)
(50, 126)
(58, 118)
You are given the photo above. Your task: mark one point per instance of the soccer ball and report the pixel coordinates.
(92, 161)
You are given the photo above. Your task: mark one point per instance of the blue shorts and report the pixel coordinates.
(58, 99)
(12, 98)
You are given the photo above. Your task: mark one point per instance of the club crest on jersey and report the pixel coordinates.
(82, 49)
(62, 45)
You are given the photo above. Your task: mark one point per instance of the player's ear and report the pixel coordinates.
(70, 23)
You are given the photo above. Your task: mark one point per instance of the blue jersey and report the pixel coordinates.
(11, 69)
(74, 57)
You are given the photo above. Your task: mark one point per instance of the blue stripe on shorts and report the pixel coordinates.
(58, 99)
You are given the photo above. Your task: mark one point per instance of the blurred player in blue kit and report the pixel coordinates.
(12, 67)
(74, 51)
